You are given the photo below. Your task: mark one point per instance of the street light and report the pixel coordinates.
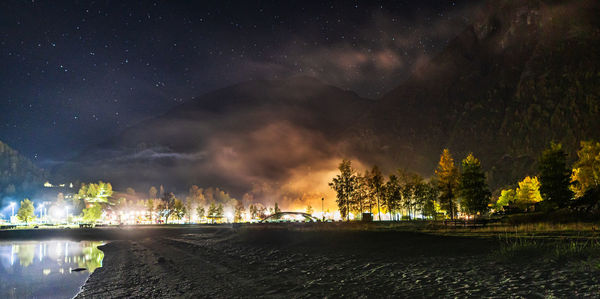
(67, 215)
(12, 205)
(322, 209)
(41, 207)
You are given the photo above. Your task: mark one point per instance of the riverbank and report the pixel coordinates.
(104, 233)
(276, 261)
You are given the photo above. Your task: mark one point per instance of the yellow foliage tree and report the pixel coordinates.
(26, 211)
(528, 193)
(586, 171)
(507, 197)
(95, 192)
(447, 176)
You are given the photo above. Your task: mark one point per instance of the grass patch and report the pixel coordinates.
(519, 248)
(563, 216)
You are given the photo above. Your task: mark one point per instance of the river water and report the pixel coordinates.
(42, 269)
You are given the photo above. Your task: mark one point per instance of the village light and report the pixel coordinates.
(229, 216)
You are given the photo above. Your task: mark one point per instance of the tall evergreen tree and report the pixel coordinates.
(166, 206)
(430, 198)
(360, 197)
(392, 195)
(406, 190)
(420, 193)
(447, 180)
(376, 188)
(212, 212)
(344, 184)
(473, 189)
(220, 213)
(555, 177)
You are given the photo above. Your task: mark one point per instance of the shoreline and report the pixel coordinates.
(103, 249)
(301, 261)
(104, 233)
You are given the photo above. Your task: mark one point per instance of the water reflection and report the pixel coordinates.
(43, 268)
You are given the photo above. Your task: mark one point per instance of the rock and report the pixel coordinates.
(161, 260)
(78, 269)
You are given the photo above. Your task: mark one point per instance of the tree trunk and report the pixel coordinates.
(361, 207)
(378, 209)
(347, 208)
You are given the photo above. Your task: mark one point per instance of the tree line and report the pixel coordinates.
(406, 195)
(558, 185)
(462, 190)
(95, 200)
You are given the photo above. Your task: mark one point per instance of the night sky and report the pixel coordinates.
(75, 73)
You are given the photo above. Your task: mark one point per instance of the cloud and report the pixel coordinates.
(273, 162)
(271, 154)
(373, 58)
(271, 141)
(159, 153)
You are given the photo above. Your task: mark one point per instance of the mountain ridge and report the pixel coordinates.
(268, 128)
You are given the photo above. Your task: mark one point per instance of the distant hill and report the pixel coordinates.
(18, 175)
(250, 136)
(523, 74)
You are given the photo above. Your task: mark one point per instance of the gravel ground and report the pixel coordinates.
(279, 263)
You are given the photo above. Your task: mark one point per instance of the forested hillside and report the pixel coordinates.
(523, 74)
(18, 174)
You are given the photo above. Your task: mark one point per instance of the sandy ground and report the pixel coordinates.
(278, 262)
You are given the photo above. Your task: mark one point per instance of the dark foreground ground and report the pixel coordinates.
(283, 261)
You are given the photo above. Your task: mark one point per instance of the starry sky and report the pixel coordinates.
(73, 73)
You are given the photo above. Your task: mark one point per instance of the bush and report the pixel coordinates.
(589, 202)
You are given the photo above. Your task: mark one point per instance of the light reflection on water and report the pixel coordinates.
(43, 268)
